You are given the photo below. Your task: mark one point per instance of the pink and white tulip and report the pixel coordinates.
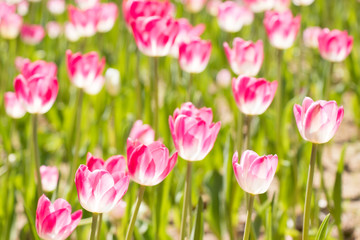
(303, 2)
(37, 94)
(22, 8)
(194, 6)
(142, 133)
(13, 106)
(86, 4)
(29, 69)
(84, 22)
(335, 45)
(85, 71)
(311, 36)
(49, 178)
(253, 95)
(194, 56)
(108, 13)
(55, 221)
(53, 29)
(223, 78)
(71, 33)
(212, 7)
(318, 121)
(118, 211)
(32, 34)
(10, 25)
(56, 7)
(193, 131)
(246, 57)
(281, 28)
(258, 6)
(232, 17)
(112, 81)
(254, 173)
(149, 164)
(101, 185)
(282, 5)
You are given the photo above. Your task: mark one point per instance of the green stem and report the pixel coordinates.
(155, 97)
(190, 91)
(99, 226)
(327, 83)
(279, 99)
(94, 226)
(135, 213)
(138, 86)
(248, 132)
(186, 201)
(309, 184)
(248, 218)
(36, 153)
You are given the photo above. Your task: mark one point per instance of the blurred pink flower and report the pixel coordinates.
(149, 164)
(13, 106)
(86, 4)
(29, 69)
(303, 2)
(232, 17)
(310, 36)
(22, 8)
(32, 34)
(49, 178)
(53, 29)
(84, 22)
(223, 78)
(194, 6)
(282, 5)
(259, 5)
(281, 28)
(254, 173)
(56, 7)
(108, 13)
(112, 81)
(193, 131)
(246, 57)
(335, 45)
(194, 56)
(6, 8)
(10, 25)
(212, 7)
(55, 221)
(142, 133)
(118, 211)
(253, 95)
(318, 121)
(71, 32)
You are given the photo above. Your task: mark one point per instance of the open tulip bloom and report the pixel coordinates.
(232, 17)
(317, 123)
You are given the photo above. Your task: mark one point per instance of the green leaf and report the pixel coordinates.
(198, 228)
(322, 232)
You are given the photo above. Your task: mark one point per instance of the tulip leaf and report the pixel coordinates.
(198, 228)
(323, 230)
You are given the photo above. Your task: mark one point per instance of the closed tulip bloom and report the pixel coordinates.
(29, 69)
(22, 8)
(108, 13)
(232, 17)
(56, 7)
(223, 78)
(71, 33)
(55, 221)
(13, 106)
(85, 71)
(155, 36)
(303, 2)
(112, 81)
(311, 36)
(118, 211)
(318, 121)
(253, 95)
(37, 94)
(142, 133)
(246, 57)
(193, 131)
(10, 25)
(32, 34)
(282, 5)
(53, 29)
(194, 6)
(259, 5)
(49, 178)
(86, 4)
(149, 164)
(281, 28)
(6, 8)
(212, 7)
(85, 22)
(101, 185)
(335, 45)
(254, 173)
(194, 56)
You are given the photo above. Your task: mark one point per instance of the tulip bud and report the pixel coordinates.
(49, 178)
(13, 106)
(142, 133)
(335, 45)
(194, 56)
(232, 17)
(112, 81)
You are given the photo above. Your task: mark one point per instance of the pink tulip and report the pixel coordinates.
(281, 28)
(32, 34)
(71, 32)
(85, 71)
(53, 29)
(259, 5)
(155, 36)
(246, 57)
(86, 4)
(193, 131)
(13, 106)
(149, 164)
(107, 16)
(310, 36)
(101, 185)
(29, 69)
(194, 56)
(232, 17)
(318, 121)
(212, 7)
(142, 133)
(134, 9)
(6, 8)
(49, 178)
(282, 5)
(335, 45)
(56, 7)
(254, 173)
(223, 78)
(194, 6)
(10, 25)
(303, 2)
(84, 22)
(37, 94)
(118, 211)
(22, 8)
(55, 221)
(253, 95)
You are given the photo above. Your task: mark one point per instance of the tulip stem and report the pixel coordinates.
(34, 119)
(138, 85)
(186, 201)
(99, 226)
(155, 97)
(94, 226)
(248, 131)
(327, 83)
(135, 213)
(248, 218)
(309, 184)
(279, 99)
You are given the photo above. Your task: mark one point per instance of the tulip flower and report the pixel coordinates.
(194, 56)
(259, 5)
(142, 133)
(310, 37)
(29, 69)
(84, 22)
(281, 28)
(303, 2)
(155, 36)
(85, 71)
(194, 6)
(71, 32)
(22, 8)
(232, 17)
(253, 95)
(49, 178)
(246, 57)
(10, 25)
(6, 8)
(13, 106)
(223, 78)
(335, 45)
(55, 221)
(282, 5)
(86, 4)
(32, 34)
(212, 7)
(112, 81)
(107, 16)
(118, 211)
(53, 29)
(56, 7)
